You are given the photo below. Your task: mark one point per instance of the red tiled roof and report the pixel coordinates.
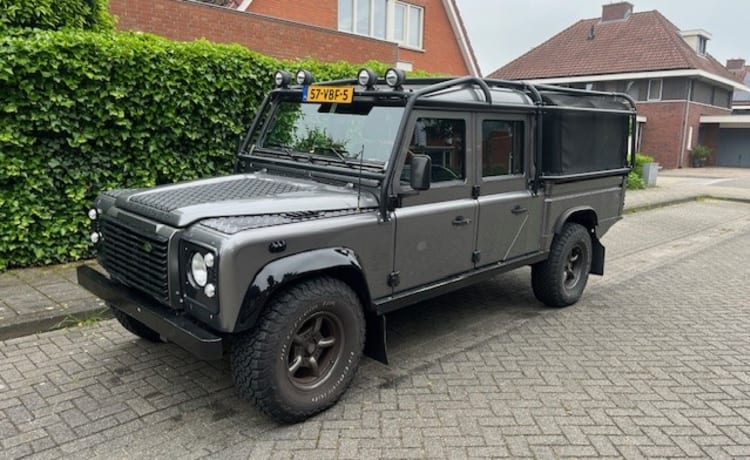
(645, 41)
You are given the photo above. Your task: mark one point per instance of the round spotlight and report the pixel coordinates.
(395, 77)
(93, 214)
(282, 78)
(367, 78)
(96, 237)
(209, 260)
(198, 269)
(304, 77)
(209, 290)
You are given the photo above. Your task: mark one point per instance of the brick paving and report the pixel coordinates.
(653, 362)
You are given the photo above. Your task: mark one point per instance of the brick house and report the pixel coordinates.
(411, 34)
(679, 86)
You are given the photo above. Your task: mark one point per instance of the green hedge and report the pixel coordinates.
(55, 14)
(81, 112)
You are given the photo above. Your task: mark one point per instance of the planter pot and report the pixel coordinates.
(649, 173)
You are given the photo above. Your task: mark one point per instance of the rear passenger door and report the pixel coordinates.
(509, 214)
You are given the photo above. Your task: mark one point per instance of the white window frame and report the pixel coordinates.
(390, 22)
(390, 25)
(371, 27)
(651, 97)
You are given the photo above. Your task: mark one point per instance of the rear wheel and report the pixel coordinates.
(560, 280)
(304, 352)
(134, 326)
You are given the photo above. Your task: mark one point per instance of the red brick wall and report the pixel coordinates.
(184, 21)
(663, 134)
(710, 134)
(323, 13)
(293, 37)
(696, 111)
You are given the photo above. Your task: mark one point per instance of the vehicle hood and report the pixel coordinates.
(179, 205)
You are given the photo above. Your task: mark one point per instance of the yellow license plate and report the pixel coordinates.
(337, 94)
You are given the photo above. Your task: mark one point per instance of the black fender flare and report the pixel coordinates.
(281, 272)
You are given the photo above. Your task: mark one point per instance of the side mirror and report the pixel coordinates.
(421, 172)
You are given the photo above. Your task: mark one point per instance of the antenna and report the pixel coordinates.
(359, 176)
(592, 34)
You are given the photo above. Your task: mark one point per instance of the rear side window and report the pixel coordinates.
(502, 148)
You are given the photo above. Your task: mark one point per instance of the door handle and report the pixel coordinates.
(518, 210)
(461, 220)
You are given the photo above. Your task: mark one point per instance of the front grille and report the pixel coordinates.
(135, 259)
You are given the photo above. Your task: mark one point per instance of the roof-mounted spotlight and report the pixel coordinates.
(304, 77)
(282, 78)
(395, 78)
(367, 78)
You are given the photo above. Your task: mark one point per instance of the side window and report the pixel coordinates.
(444, 140)
(502, 148)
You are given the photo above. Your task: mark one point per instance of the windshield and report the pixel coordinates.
(345, 133)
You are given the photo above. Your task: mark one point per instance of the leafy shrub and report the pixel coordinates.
(635, 178)
(55, 14)
(699, 155)
(82, 112)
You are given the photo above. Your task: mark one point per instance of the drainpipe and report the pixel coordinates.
(685, 124)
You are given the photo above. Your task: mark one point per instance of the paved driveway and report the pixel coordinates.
(654, 361)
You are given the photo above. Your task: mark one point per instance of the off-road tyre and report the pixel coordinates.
(263, 360)
(560, 280)
(135, 327)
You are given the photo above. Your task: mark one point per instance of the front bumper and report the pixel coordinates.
(174, 327)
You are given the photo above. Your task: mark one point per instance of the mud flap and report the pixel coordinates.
(375, 346)
(597, 257)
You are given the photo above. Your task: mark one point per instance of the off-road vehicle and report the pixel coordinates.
(353, 198)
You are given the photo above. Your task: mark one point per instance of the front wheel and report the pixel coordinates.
(560, 280)
(134, 326)
(304, 352)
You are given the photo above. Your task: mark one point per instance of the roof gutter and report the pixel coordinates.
(463, 39)
(643, 75)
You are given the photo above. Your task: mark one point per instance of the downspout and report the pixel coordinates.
(685, 124)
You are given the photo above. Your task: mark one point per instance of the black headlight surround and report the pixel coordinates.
(194, 296)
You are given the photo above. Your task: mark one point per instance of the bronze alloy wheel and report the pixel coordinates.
(314, 350)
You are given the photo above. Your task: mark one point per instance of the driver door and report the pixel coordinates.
(436, 228)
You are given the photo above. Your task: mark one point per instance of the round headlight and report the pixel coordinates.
(304, 77)
(198, 269)
(209, 290)
(93, 214)
(367, 78)
(395, 77)
(96, 237)
(282, 78)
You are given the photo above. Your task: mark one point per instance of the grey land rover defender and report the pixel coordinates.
(350, 199)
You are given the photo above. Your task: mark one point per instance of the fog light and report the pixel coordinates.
(209, 260)
(304, 77)
(96, 237)
(93, 214)
(209, 290)
(367, 78)
(395, 77)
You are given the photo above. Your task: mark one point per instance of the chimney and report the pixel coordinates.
(736, 64)
(616, 11)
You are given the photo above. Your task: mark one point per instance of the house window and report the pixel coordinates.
(384, 19)
(702, 45)
(654, 90)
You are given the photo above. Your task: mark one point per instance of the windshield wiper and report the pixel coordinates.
(286, 150)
